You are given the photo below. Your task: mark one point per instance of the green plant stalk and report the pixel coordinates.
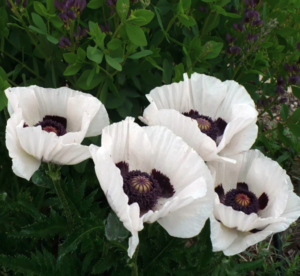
(268, 106)
(134, 266)
(54, 173)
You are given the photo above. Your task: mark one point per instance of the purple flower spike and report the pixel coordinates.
(82, 5)
(234, 50)
(283, 100)
(70, 4)
(60, 6)
(280, 81)
(71, 15)
(293, 80)
(257, 23)
(251, 38)
(298, 46)
(262, 102)
(288, 68)
(280, 90)
(63, 17)
(203, 9)
(295, 68)
(238, 27)
(64, 43)
(249, 3)
(230, 39)
(109, 3)
(25, 2)
(8, 4)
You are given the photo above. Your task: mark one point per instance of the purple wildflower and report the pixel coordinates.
(295, 68)
(283, 100)
(257, 23)
(203, 9)
(238, 27)
(230, 39)
(251, 38)
(104, 29)
(280, 90)
(298, 46)
(64, 42)
(251, 15)
(8, 4)
(293, 79)
(288, 68)
(234, 50)
(60, 6)
(71, 15)
(25, 2)
(280, 81)
(262, 102)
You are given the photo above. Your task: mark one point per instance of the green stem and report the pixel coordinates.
(117, 31)
(24, 65)
(54, 173)
(205, 23)
(268, 106)
(134, 266)
(159, 254)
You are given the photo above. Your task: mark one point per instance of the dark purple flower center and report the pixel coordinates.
(213, 129)
(241, 199)
(54, 124)
(144, 188)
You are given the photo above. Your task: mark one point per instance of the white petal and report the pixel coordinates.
(260, 180)
(100, 121)
(174, 158)
(240, 141)
(132, 244)
(127, 141)
(241, 117)
(111, 183)
(189, 220)
(24, 98)
(292, 209)
(221, 236)
(70, 154)
(244, 240)
(172, 96)
(236, 95)
(24, 165)
(207, 94)
(37, 142)
(80, 104)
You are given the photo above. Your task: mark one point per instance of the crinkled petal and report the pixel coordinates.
(206, 93)
(238, 124)
(292, 209)
(70, 154)
(24, 98)
(244, 240)
(189, 220)
(221, 236)
(240, 141)
(127, 141)
(99, 122)
(236, 95)
(37, 142)
(79, 105)
(111, 183)
(24, 165)
(174, 158)
(172, 96)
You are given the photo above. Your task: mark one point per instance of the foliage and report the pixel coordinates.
(118, 54)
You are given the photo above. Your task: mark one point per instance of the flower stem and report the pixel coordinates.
(134, 266)
(54, 173)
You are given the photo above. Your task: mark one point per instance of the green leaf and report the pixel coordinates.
(90, 77)
(95, 4)
(187, 20)
(215, 49)
(72, 69)
(70, 57)
(82, 81)
(39, 8)
(295, 129)
(52, 39)
(186, 4)
(94, 54)
(284, 113)
(247, 266)
(114, 228)
(122, 9)
(50, 6)
(141, 54)
(81, 54)
(266, 44)
(168, 71)
(39, 22)
(153, 62)
(113, 63)
(136, 35)
(114, 44)
(56, 22)
(97, 35)
(295, 117)
(296, 91)
(220, 10)
(37, 30)
(179, 70)
(40, 178)
(146, 15)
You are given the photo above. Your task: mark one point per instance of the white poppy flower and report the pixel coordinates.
(149, 174)
(49, 124)
(255, 199)
(215, 118)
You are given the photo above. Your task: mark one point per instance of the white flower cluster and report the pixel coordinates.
(158, 172)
